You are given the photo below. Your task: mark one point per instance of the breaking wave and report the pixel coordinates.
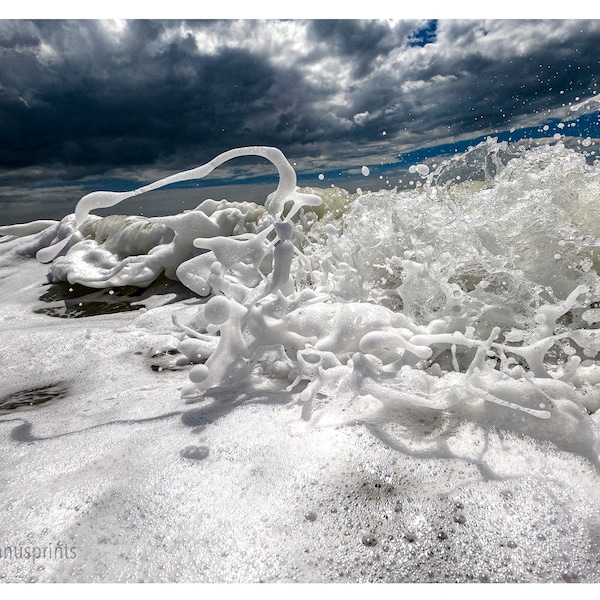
(469, 303)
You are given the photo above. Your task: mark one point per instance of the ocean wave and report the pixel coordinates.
(470, 299)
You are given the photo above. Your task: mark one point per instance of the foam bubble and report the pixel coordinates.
(216, 310)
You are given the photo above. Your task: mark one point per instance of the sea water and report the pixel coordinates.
(470, 296)
(435, 318)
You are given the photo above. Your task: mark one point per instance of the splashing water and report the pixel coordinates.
(469, 302)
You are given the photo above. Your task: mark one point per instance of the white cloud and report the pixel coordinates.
(362, 118)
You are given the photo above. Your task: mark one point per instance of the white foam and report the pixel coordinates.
(400, 249)
(438, 319)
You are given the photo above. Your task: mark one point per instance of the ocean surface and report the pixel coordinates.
(311, 382)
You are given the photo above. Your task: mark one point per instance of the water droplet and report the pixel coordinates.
(369, 540)
(460, 518)
(198, 373)
(310, 515)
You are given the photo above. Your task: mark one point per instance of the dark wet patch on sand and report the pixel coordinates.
(33, 396)
(73, 301)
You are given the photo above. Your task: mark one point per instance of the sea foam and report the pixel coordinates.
(470, 300)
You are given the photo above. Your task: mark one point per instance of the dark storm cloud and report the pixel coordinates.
(488, 90)
(92, 98)
(75, 93)
(361, 42)
(467, 88)
(94, 102)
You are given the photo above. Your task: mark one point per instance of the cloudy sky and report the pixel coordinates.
(96, 102)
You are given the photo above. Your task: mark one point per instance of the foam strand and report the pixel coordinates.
(286, 190)
(287, 181)
(238, 348)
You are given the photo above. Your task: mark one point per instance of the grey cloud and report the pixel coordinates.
(83, 99)
(363, 41)
(102, 104)
(475, 92)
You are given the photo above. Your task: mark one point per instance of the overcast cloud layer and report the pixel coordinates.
(137, 100)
